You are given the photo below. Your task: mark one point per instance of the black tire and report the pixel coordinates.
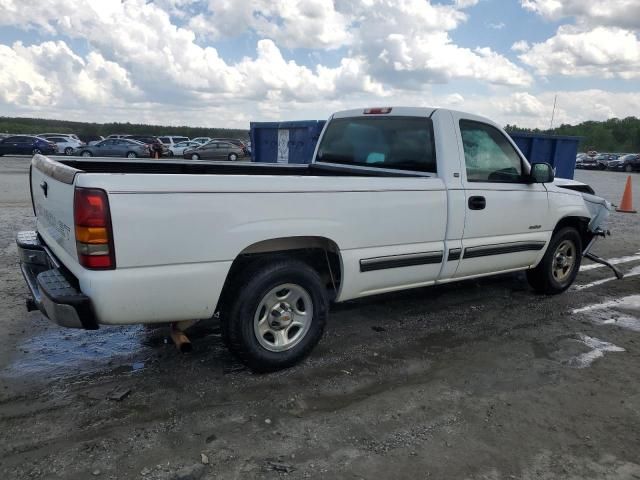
(628, 168)
(233, 157)
(86, 153)
(36, 151)
(68, 151)
(132, 155)
(239, 316)
(170, 153)
(542, 278)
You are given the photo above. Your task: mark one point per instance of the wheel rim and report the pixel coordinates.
(68, 151)
(283, 317)
(131, 155)
(564, 258)
(232, 157)
(194, 157)
(36, 151)
(86, 154)
(628, 168)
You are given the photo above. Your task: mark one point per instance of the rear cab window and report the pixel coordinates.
(398, 143)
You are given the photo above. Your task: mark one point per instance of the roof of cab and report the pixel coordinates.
(395, 111)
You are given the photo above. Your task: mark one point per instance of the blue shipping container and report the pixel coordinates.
(285, 142)
(557, 150)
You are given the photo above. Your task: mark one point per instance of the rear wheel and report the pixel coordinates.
(68, 151)
(560, 265)
(132, 155)
(195, 156)
(233, 157)
(86, 153)
(277, 316)
(36, 151)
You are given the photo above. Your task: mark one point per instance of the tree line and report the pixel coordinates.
(613, 136)
(17, 125)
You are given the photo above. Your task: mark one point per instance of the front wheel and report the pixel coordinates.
(233, 157)
(277, 316)
(36, 151)
(132, 155)
(68, 151)
(195, 156)
(560, 265)
(86, 153)
(628, 168)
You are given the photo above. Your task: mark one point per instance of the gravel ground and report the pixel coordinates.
(477, 380)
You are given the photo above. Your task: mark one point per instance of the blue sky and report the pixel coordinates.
(226, 62)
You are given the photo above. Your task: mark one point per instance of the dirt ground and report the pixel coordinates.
(478, 380)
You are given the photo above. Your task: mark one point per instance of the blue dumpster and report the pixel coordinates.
(285, 142)
(559, 151)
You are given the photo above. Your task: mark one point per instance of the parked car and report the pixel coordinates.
(172, 140)
(177, 149)
(115, 147)
(91, 139)
(201, 140)
(26, 145)
(66, 145)
(627, 163)
(153, 143)
(45, 135)
(379, 209)
(215, 150)
(234, 141)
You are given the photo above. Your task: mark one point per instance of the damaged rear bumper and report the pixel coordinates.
(53, 289)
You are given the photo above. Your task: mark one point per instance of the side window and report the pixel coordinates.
(488, 155)
(164, 139)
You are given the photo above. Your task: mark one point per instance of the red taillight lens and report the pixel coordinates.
(377, 111)
(94, 236)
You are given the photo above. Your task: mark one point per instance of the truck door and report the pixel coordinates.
(506, 225)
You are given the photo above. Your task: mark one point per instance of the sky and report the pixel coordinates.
(224, 63)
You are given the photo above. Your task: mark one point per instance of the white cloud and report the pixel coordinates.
(496, 26)
(604, 52)
(520, 46)
(51, 74)
(620, 13)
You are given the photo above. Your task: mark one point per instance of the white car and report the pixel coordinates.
(47, 135)
(66, 145)
(395, 198)
(172, 140)
(201, 140)
(177, 149)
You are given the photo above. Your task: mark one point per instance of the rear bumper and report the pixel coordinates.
(54, 290)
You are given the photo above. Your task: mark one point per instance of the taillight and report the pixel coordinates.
(377, 111)
(94, 235)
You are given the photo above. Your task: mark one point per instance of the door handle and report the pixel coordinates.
(477, 203)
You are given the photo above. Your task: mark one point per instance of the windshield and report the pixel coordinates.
(401, 143)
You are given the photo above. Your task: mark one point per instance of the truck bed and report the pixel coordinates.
(177, 166)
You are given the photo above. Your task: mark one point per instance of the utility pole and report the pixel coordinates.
(553, 112)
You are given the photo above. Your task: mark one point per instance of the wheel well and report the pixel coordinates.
(581, 224)
(320, 253)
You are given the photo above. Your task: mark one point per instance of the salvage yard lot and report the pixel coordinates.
(482, 379)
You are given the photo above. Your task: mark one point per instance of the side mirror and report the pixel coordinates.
(542, 173)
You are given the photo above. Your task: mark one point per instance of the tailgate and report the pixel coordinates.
(52, 192)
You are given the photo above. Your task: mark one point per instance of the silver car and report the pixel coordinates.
(215, 151)
(115, 147)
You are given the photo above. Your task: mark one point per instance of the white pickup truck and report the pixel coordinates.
(395, 198)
